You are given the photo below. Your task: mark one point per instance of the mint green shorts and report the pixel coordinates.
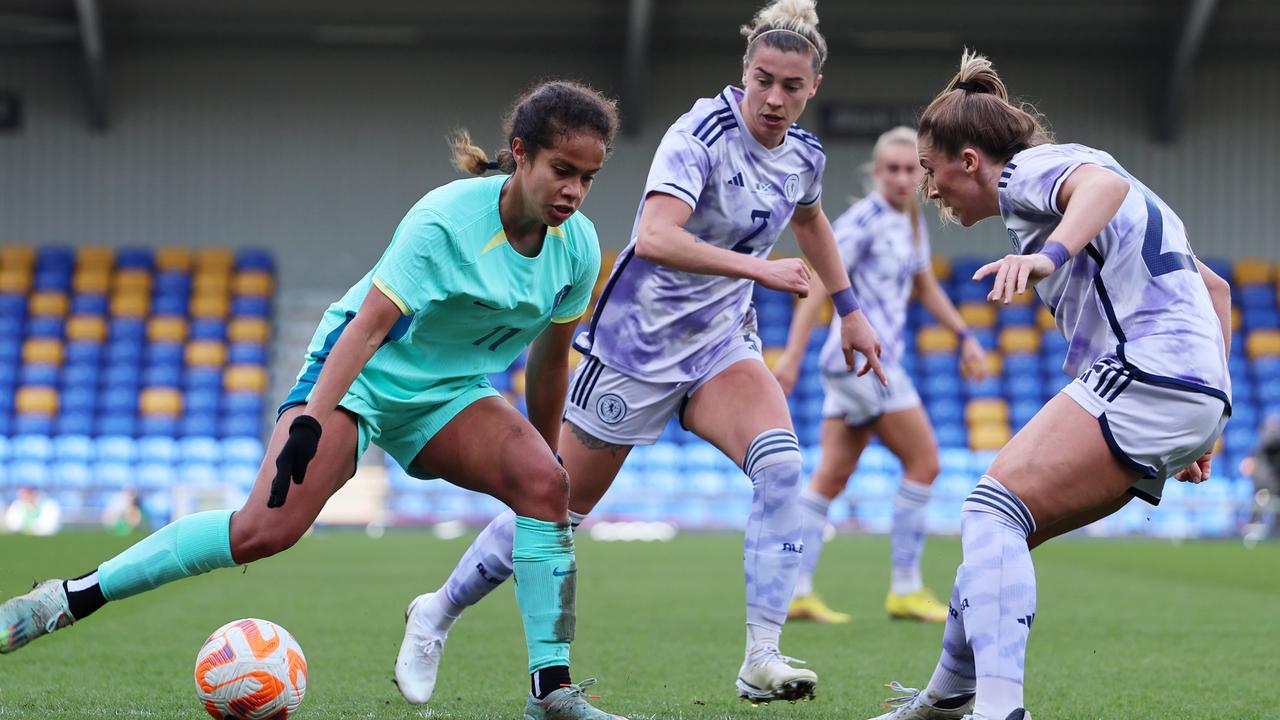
(402, 435)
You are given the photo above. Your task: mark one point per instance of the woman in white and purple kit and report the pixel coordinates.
(675, 333)
(1146, 325)
(885, 246)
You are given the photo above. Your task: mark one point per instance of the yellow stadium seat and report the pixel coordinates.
(824, 314)
(42, 351)
(978, 315)
(1019, 339)
(17, 280)
(245, 378)
(95, 257)
(1045, 319)
(995, 364)
(1237, 318)
(132, 304)
(160, 401)
(129, 281)
(250, 330)
(256, 283)
(173, 258)
(941, 267)
(1252, 271)
(96, 281)
(1025, 298)
(518, 382)
(167, 328)
(17, 257)
(771, 356)
(986, 410)
(575, 358)
(935, 338)
(1262, 343)
(207, 353)
(36, 400)
(210, 283)
(607, 259)
(209, 306)
(215, 258)
(989, 436)
(49, 302)
(90, 328)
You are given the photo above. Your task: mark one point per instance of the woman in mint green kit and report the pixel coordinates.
(478, 270)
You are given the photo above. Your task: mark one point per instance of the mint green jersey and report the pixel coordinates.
(470, 303)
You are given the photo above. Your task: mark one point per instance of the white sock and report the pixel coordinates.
(954, 676)
(773, 547)
(906, 537)
(813, 508)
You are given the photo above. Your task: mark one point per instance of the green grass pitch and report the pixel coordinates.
(1124, 630)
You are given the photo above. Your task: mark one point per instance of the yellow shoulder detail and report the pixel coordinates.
(499, 238)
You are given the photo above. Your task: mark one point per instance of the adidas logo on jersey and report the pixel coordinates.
(737, 180)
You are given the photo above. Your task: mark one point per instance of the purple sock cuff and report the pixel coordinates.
(845, 301)
(1057, 252)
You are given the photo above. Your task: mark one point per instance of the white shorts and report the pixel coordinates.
(623, 410)
(1154, 429)
(861, 400)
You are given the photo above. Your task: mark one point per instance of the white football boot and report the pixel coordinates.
(915, 704)
(765, 676)
(420, 651)
(26, 617)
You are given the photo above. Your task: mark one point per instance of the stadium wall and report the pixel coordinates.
(317, 153)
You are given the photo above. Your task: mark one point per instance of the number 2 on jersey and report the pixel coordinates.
(744, 245)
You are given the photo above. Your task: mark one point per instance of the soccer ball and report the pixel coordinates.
(251, 670)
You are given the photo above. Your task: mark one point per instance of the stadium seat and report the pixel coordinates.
(252, 283)
(1019, 340)
(134, 259)
(261, 260)
(989, 436)
(1252, 271)
(206, 353)
(246, 450)
(95, 281)
(986, 410)
(173, 259)
(134, 304)
(219, 259)
(978, 315)
(200, 450)
(89, 304)
(49, 303)
(936, 339)
(247, 354)
(83, 352)
(42, 374)
(209, 306)
(167, 329)
(165, 401)
(1263, 343)
(88, 328)
(35, 400)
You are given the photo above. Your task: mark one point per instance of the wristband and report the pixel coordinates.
(1057, 252)
(966, 334)
(845, 301)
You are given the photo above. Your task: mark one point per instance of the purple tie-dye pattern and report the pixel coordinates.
(1167, 319)
(667, 325)
(485, 565)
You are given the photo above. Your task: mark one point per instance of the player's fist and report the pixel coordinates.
(291, 463)
(788, 275)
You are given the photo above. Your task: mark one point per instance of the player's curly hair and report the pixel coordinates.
(541, 118)
(799, 20)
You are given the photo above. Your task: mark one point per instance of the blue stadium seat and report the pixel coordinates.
(208, 329)
(52, 280)
(250, 258)
(953, 434)
(242, 402)
(38, 374)
(1261, 319)
(46, 326)
(939, 364)
(253, 354)
(158, 426)
(200, 450)
(29, 473)
(250, 306)
(250, 451)
(13, 305)
(171, 282)
(121, 424)
(170, 304)
(79, 375)
(1052, 342)
(89, 304)
(241, 475)
(159, 449)
(116, 448)
(84, 352)
(10, 343)
(6, 424)
(968, 291)
(1022, 386)
(156, 476)
(127, 329)
(1256, 297)
(202, 378)
(32, 447)
(991, 387)
(1262, 369)
(940, 386)
(135, 258)
(1017, 315)
(119, 399)
(77, 448)
(124, 353)
(1022, 410)
(945, 411)
(162, 375)
(73, 422)
(8, 375)
(1021, 364)
(167, 353)
(201, 400)
(1268, 392)
(33, 424)
(71, 474)
(198, 424)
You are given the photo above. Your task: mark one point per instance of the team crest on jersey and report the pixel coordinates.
(791, 188)
(560, 296)
(611, 408)
(1013, 238)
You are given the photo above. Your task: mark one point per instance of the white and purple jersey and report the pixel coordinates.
(1134, 292)
(882, 255)
(665, 325)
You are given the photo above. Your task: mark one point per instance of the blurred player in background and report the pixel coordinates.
(1147, 328)
(885, 248)
(1264, 468)
(674, 333)
(477, 271)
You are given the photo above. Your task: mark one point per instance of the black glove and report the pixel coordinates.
(291, 464)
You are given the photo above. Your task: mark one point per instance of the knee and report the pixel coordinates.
(830, 482)
(923, 470)
(990, 501)
(258, 538)
(542, 492)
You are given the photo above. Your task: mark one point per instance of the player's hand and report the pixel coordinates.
(856, 335)
(786, 371)
(788, 275)
(1198, 471)
(291, 463)
(1014, 274)
(973, 359)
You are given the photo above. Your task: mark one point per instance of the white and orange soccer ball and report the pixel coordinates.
(251, 670)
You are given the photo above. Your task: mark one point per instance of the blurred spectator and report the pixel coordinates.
(124, 514)
(1264, 468)
(33, 513)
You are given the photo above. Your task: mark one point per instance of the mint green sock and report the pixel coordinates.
(188, 546)
(546, 587)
